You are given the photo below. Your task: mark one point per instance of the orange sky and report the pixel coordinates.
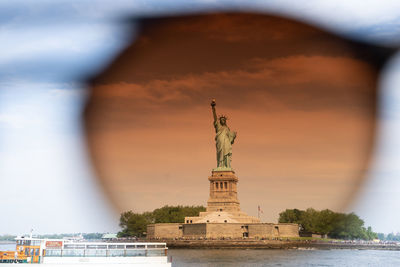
(301, 100)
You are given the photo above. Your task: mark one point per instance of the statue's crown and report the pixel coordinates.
(222, 116)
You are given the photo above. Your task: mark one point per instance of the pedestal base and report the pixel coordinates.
(222, 217)
(223, 205)
(223, 169)
(223, 191)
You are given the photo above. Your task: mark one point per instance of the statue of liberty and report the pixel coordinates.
(224, 139)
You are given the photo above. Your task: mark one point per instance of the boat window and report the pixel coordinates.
(134, 252)
(141, 246)
(32, 252)
(116, 253)
(53, 252)
(102, 246)
(96, 253)
(35, 242)
(155, 252)
(37, 252)
(27, 251)
(73, 253)
(91, 246)
(130, 246)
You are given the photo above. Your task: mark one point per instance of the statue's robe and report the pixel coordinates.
(224, 139)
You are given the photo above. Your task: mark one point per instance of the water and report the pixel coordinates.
(8, 245)
(259, 257)
(265, 257)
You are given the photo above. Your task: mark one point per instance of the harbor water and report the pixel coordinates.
(8, 245)
(270, 257)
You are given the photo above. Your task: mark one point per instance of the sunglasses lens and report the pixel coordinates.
(303, 103)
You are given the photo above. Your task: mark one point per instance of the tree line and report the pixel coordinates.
(389, 237)
(7, 237)
(329, 223)
(324, 222)
(87, 236)
(135, 224)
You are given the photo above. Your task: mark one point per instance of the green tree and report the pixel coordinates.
(327, 222)
(92, 236)
(7, 237)
(309, 220)
(381, 236)
(133, 224)
(290, 216)
(393, 237)
(348, 226)
(324, 221)
(370, 234)
(175, 214)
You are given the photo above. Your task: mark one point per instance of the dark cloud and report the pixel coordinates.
(303, 83)
(175, 46)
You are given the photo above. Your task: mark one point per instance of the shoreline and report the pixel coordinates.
(7, 242)
(275, 244)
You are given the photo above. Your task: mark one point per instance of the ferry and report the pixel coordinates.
(70, 253)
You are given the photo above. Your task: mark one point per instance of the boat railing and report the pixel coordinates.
(104, 250)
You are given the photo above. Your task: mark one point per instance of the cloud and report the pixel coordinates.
(57, 52)
(295, 83)
(13, 120)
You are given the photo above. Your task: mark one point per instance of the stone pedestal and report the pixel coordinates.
(223, 204)
(223, 191)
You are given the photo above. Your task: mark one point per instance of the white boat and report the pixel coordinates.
(69, 253)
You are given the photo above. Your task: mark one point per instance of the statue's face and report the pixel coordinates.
(222, 121)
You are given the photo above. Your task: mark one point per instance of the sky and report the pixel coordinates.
(48, 48)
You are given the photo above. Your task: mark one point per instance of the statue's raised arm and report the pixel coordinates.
(213, 109)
